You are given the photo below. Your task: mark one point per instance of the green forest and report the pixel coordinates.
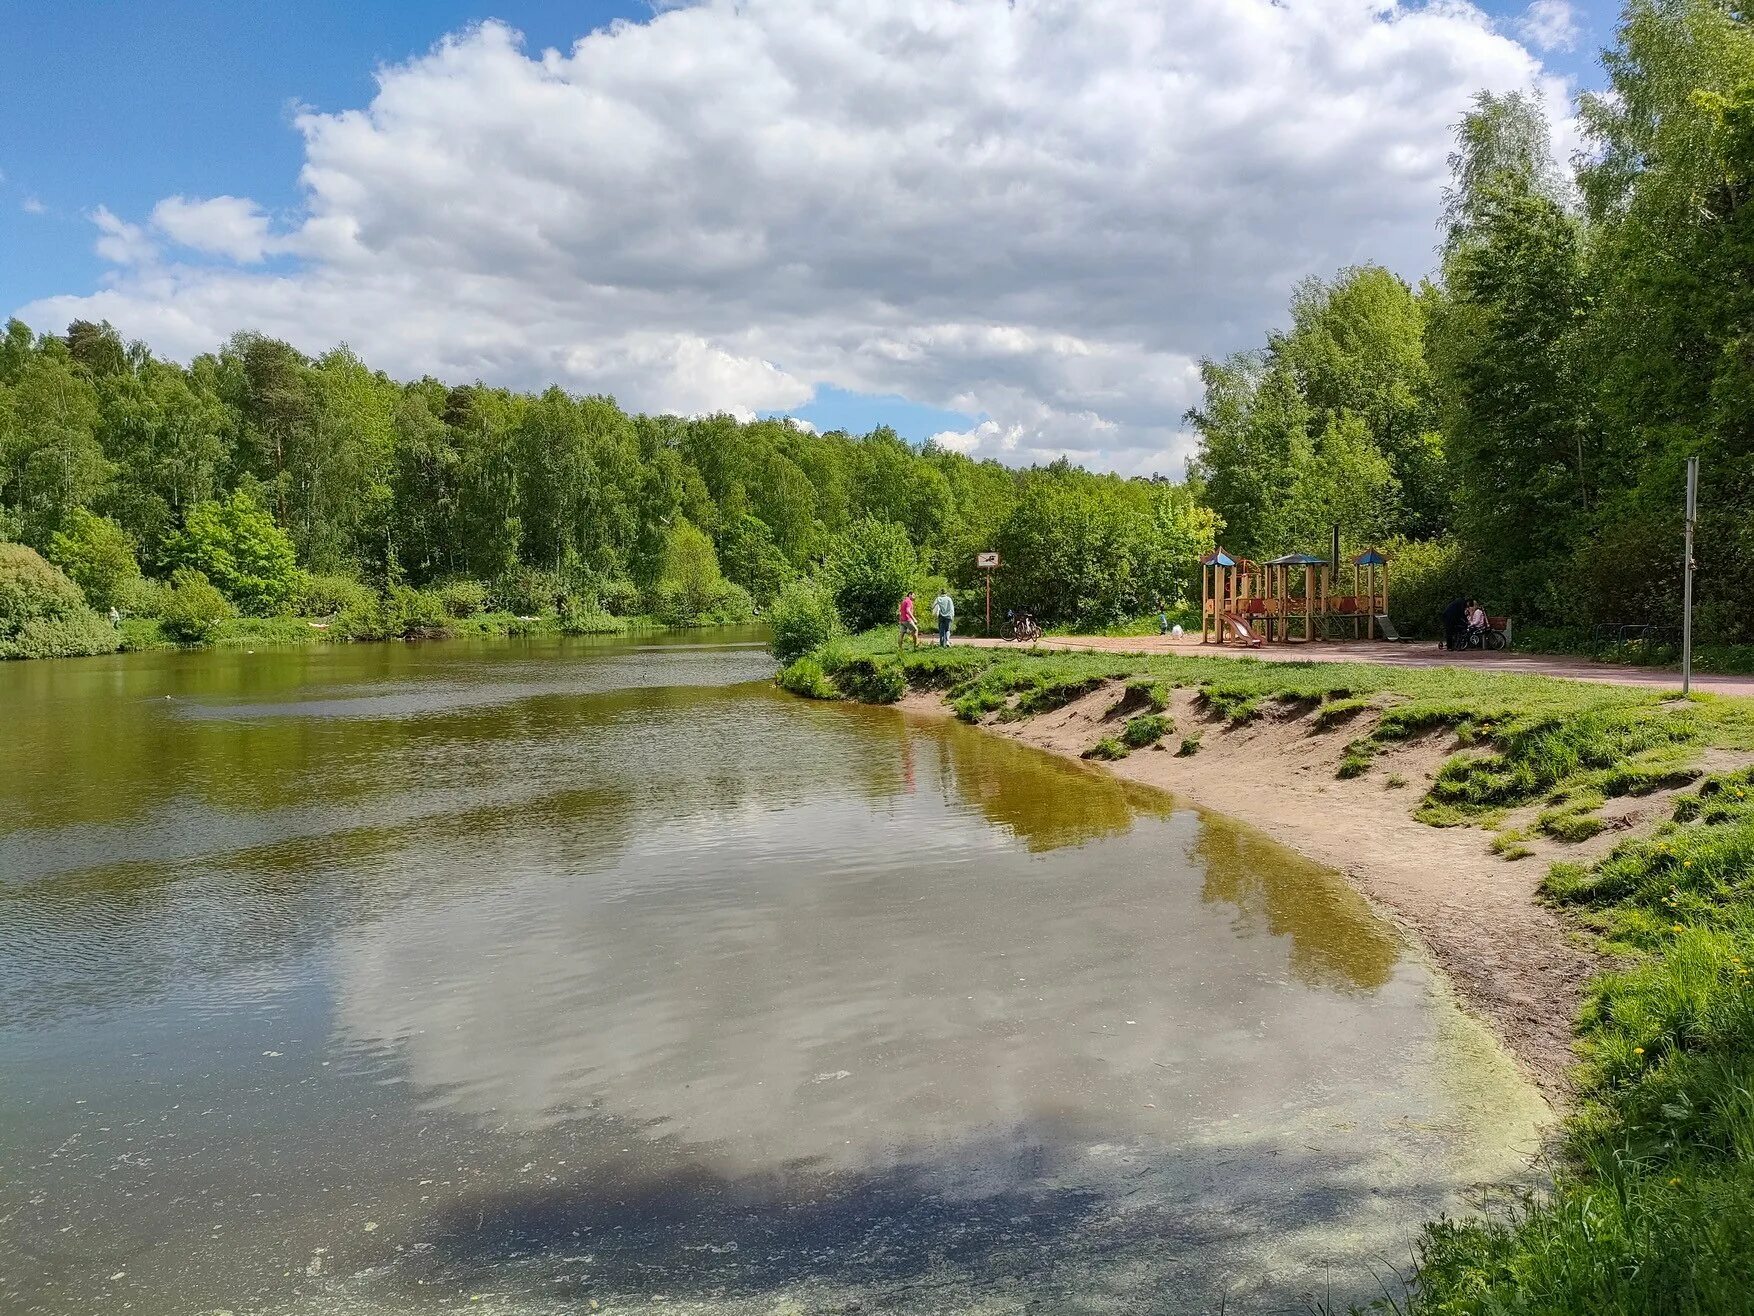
(1516, 427)
(1519, 426)
(262, 483)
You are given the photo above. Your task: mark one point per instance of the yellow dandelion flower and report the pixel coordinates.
(1638, 1050)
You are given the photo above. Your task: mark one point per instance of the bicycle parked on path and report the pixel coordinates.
(1022, 627)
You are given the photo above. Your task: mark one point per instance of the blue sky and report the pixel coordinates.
(122, 103)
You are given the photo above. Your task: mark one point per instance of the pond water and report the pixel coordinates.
(561, 975)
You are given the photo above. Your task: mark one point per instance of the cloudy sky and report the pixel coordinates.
(1014, 225)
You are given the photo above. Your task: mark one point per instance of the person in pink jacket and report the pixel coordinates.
(910, 625)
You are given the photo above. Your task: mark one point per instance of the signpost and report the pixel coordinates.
(988, 563)
(1687, 578)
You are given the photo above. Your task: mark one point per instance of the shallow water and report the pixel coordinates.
(568, 975)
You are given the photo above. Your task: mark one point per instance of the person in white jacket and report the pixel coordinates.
(944, 609)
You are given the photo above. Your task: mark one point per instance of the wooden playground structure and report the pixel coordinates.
(1294, 598)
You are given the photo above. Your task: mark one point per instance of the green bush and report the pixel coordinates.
(43, 614)
(871, 680)
(1108, 749)
(529, 592)
(868, 570)
(1424, 576)
(804, 676)
(76, 633)
(328, 595)
(462, 598)
(195, 606)
(236, 546)
(416, 611)
(143, 597)
(803, 618)
(97, 555)
(1146, 729)
(32, 587)
(585, 617)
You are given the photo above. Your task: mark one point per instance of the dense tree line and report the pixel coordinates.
(1529, 413)
(288, 483)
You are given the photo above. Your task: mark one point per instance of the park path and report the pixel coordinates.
(1415, 654)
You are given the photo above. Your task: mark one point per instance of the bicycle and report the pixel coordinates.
(1023, 628)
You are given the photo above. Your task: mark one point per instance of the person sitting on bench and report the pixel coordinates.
(1476, 625)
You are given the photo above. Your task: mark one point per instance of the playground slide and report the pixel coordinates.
(1240, 630)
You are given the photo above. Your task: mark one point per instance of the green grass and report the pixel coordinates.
(1146, 730)
(1107, 748)
(1521, 738)
(1653, 1203)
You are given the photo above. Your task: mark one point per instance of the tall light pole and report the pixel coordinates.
(1687, 579)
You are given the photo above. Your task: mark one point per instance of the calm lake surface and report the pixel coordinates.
(561, 975)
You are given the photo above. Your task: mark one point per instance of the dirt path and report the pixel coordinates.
(1513, 961)
(1417, 654)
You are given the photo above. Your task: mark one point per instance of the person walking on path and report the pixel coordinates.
(1162, 618)
(944, 609)
(910, 626)
(1455, 624)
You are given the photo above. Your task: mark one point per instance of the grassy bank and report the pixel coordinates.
(1652, 1208)
(140, 633)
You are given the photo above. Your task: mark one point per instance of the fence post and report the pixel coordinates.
(1687, 579)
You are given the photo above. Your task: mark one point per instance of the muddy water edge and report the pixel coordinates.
(552, 974)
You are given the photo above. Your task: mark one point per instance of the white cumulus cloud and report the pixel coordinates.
(229, 226)
(1549, 25)
(1040, 212)
(120, 242)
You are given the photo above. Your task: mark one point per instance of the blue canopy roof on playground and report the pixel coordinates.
(1218, 558)
(1371, 557)
(1296, 560)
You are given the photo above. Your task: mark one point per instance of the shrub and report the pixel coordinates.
(722, 602)
(195, 606)
(1145, 730)
(617, 595)
(803, 618)
(1108, 748)
(868, 569)
(143, 597)
(236, 546)
(42, 613)
(585, 617)
(329, 595)
(399, 611)
(805, 677)
(871, 680)
(97, 555)
(1425, 576)
(1190, 745)
(33, 587)
(415, 611)
(529, 592)
(691, 590)
(74, 634)
(462, 598)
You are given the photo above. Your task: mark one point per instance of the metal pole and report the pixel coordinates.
(1687, 579)
(989, 603)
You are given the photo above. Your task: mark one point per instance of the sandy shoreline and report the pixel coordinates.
(1513, 961)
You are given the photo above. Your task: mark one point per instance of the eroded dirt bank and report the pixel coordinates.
(1514, 961)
